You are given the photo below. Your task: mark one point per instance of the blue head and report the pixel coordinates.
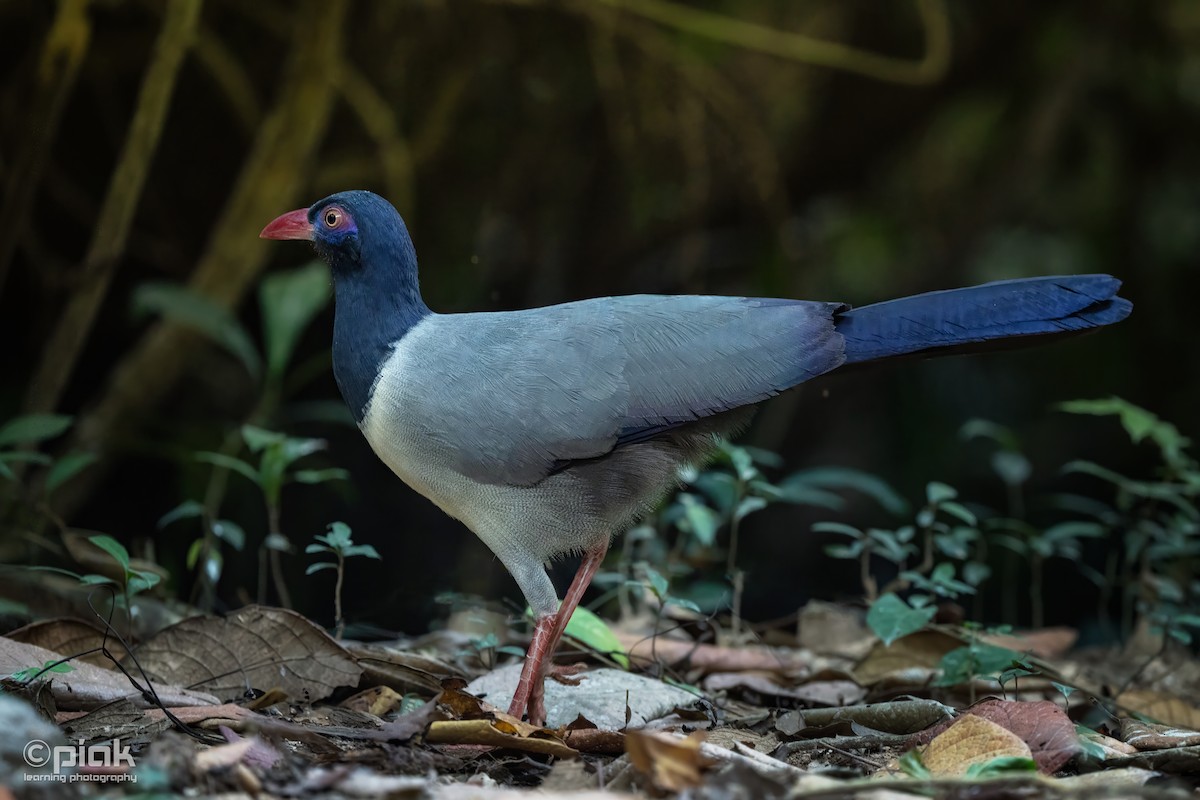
(367, 246)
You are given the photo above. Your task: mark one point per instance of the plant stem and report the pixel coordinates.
(337, 597)
(281, 590)
(1037, 611)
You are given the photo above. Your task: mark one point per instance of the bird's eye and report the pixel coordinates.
(333, 217)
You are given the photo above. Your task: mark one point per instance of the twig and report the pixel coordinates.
(116, 215)
(62, 52)
(796, 47)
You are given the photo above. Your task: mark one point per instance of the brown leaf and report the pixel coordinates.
(971, 740)
(68, 635)
(670, 763)
(1162, 707)
(1043, 725)
(378, 700)
(87, 687)
(711, 657)
(819, 693)
(918, 653)
(1043, 643)
(1149, 736)
(255, 647)
(401, 670)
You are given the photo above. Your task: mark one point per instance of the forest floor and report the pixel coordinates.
(264, 703)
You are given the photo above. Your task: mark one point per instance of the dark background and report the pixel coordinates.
(544, 152)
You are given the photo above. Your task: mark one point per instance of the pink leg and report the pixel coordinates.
(547, 632)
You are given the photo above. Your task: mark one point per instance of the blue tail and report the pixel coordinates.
(981, 317)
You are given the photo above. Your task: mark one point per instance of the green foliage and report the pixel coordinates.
(1000, 767)
(18, 437)
(32, 673)
(891, 618)
(338, 543)
(912, 765)
(591, 631)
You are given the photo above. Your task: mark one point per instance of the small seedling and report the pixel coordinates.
(339, 543)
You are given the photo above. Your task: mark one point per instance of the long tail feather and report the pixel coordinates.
(981, 317)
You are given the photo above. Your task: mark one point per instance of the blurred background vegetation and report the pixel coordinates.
(545, 151)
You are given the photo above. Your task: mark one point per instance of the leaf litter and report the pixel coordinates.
(265, 703)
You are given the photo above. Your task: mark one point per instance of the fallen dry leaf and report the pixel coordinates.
(897, 716)
(378, 700)
(920, 652)
(1043, 725)
(68, 635)
(1047, 643)
(672, 764)
(1150, 736)
(401, 670)
(1162, 707)
(971, 740)
(821, 693)
(711, 657)
(256, 647)
(87, 686)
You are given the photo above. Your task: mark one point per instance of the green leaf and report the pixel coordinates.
(699, 520)
(28, 674)
(114, 548)
(277, 541)
(748, 506)
(66, 468)
(23, 457)
(338, 536)
(199, 313)
(259, 439)
(589, 630)
(912, 766)
(848, 478)
(682, 603)
(1013, 469)
(229, 532)
(839, 528)
(188, 509)
(986, 429)
(319, 566)
(314, 476)
(193, 553)
(289, 302)
(317, 548)
(891, 618)
(1000, 766)
(1138, 423)
(960, 512)
(140, 581)
(653, 578)
(937, 492)
(33, 428)
(230, 463)
(95, 580)
(362, 550)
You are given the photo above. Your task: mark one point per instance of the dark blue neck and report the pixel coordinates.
(378, 301)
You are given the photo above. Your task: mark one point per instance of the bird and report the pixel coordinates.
(549, 431)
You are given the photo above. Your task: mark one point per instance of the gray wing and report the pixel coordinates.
(507, 397)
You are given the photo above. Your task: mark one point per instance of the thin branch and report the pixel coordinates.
(796, 47)
(62, 53)
(116, 215)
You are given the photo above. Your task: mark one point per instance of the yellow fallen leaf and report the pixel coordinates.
(971, 740)
(670, 763)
